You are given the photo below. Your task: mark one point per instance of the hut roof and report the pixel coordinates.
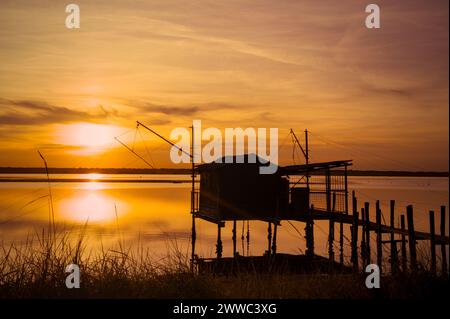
(283, 170)
(311, 167)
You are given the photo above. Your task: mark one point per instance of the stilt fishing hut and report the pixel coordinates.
(236, 191)
(233, 190)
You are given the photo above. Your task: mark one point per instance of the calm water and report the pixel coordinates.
(157, 214)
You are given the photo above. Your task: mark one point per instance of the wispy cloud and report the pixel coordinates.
(30, 112)
(179, 110)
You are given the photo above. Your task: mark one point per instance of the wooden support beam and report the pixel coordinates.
(193, 240)
(269, 237)
(328, 189)
(341, 241)
(309, 233)
(248, 237)
(432, 244)
(443, 249)
(341, 226)
(411, 238)
(234, 238)
(331, 233)
(394, 255)
(367, 212)
(243, 238)
(379, 239)
(274, 240)
(219, 247)
(403, 247)
(363, 238)
(354, 231)
(346, 189)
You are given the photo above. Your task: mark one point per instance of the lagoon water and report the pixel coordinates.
(156, 215)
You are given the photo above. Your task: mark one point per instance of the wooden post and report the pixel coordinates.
(248, 237)
(219, 242)
(193, 230)
(443, 250)
(379, 241)
(355, 232)
(403, 248)
(309, 230)
(193, 239)
(346, 189)
(341, 240)
(363, 238)
(328, 189)
(269, 238)
(394, 255)
(243, 238)
(341, 225)
(331, 232)
(432, 243)
(274, 241)
(234, 238)
(368, 255)
(411, 238)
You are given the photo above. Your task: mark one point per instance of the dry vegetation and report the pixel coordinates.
(36, 270)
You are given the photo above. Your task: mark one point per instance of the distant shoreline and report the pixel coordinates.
(186, 171)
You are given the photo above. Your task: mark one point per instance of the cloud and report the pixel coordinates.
(171, 110)
(179, 110)
(399, 92)
(59, 146)
(30, 112)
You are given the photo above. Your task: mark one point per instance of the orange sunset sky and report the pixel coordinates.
(379, 97)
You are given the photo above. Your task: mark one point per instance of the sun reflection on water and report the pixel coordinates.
(92, 205)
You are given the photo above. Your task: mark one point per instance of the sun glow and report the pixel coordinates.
(93, 186)
(87, 136)
(93, 206)
(93, 177)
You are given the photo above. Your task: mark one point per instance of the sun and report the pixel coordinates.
(87, 136)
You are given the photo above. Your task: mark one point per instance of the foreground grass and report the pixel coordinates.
(36, 270)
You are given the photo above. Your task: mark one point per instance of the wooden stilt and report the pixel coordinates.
(363, 238)
(443, 250)
(379, 239)
(354, 232)
(274, 240)
(411, 238)
(331, 232)
(248, 237)
(193, 240)
(403, 248)
(234, 238)
(432, 244)
(394, 255)
(341, 241)
(243, 238)
(309, 233)
(368, 255)
(269, 238)
(219, 242)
